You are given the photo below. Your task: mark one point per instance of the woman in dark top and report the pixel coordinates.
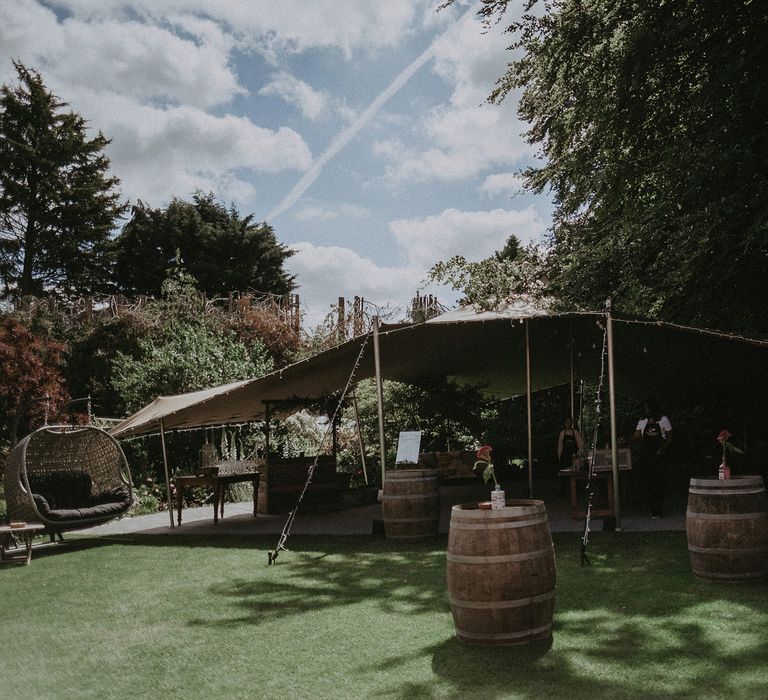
(569, 445)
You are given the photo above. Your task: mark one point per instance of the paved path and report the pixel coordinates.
(238, 519)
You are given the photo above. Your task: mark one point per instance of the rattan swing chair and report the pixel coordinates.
(67, 477)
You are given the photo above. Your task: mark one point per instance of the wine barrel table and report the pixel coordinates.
(410, 504)
(501, 573)
(727, 528)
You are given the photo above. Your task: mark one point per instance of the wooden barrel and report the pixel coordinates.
(410, 504)
(501, 573)
(727, 527)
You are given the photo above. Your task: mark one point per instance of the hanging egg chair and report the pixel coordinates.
(67, 477)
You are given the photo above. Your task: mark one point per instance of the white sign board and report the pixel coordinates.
(408, 447)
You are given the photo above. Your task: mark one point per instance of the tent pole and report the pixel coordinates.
(167, 473)
(267, 411)
(528, 406)
(359, 436)
(612, 407)
(573, 389)
(379, 396)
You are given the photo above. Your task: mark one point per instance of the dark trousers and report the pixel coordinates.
(651, 469)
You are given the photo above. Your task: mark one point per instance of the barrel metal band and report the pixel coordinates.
(728, 550)
(411, 497)
(500, 604)
(499, 558)
(512, 524)
(398, 480)
(412, 520)
(729, 576)
(725, 492)
(726, 516)
(505, 635)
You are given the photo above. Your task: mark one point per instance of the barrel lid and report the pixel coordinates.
(513, 507)
(735, 482)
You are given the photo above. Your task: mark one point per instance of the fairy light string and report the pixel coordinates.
(595, 434)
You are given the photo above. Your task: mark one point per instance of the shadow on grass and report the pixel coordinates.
(336, 572)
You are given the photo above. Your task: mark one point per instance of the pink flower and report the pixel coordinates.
(484, 453)
(724, 436)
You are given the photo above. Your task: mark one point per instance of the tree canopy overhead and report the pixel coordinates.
(222, 250)
(58, 204)
(652, 119)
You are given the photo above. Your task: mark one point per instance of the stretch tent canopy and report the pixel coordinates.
(488, 349)
(516, 350)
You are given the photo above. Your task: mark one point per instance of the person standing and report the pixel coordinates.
(653, 435)
(570, 445)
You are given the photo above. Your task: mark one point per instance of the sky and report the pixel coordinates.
(357, 129)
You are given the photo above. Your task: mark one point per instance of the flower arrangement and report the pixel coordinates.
(484, 460)
(724, 438)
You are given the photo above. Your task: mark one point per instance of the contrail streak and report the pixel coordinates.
(350, 132)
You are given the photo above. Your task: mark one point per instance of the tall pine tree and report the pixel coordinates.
(58, 204)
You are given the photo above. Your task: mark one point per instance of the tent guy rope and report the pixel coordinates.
(272, 556)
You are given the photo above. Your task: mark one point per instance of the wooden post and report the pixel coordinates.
(167, 473)
(334, 435)
(573, 388)
(612, 408)
(266, 479)
(380, 397)
(528, 405)
(341, 331)
(267, 412)
(359, 437)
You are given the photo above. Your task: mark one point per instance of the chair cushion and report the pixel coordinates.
(62, 489)
(65, 496)
(117, 494)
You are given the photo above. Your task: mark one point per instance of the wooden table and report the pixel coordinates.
(10, 555)
(601, 506)
(217, 482)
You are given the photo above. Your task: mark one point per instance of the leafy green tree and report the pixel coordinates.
(223, 251)
(185, 358)
(653, 122)
(509, 273)
(57, 202)
(449, 417)
(182, 352)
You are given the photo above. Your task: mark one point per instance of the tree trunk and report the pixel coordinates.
(30, 244)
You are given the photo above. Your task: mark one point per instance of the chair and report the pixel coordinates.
(67, 477)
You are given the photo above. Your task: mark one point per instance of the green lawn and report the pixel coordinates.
(181, 617)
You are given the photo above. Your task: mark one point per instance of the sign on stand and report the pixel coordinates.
(408, 446)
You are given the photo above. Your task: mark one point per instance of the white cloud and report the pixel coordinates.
(311, 102)
(328, 272)
(147, 88)
(320, 213)
(464, 137)
(272, 27)
(159, 153)
(473, 234)
(144, 62)
(502, 184)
